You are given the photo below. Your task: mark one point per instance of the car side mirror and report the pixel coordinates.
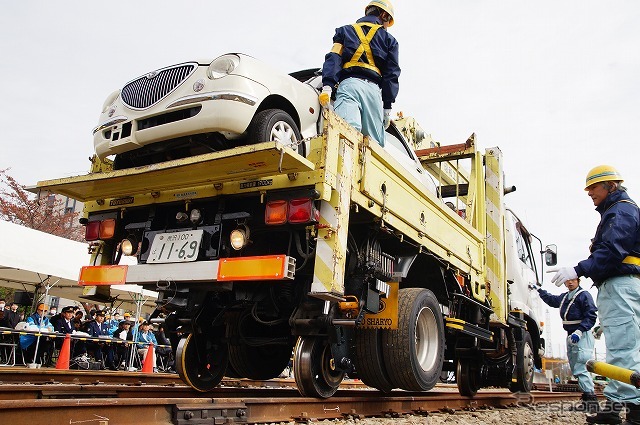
(551, 255)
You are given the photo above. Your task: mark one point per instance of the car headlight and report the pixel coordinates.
(224, 65)
(109, 101)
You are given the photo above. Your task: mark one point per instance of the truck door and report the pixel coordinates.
(521, 264)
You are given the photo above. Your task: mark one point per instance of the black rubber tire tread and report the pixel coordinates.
(263, 121)
(369, 360)
(522, 384)
(262, 362)
(399, 348)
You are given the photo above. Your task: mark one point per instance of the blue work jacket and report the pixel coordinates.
(577, 311)
(384, 48)
(41, 322)
(617, 236)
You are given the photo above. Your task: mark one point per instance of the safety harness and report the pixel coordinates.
(364, 48)
(571, 301)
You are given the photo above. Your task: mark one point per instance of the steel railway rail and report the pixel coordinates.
(116, 397)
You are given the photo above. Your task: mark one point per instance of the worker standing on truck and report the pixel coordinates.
(363, 66)
(578, 313)
(614, 267)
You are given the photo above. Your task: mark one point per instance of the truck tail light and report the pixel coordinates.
(301, 211)
(92, 231)
(107, 228)
(293, 211)
(276, 212)
(104, 229)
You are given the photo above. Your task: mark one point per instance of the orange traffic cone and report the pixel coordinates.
(65, 353)
(150, 360)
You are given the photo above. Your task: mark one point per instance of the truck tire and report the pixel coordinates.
(413, 353)
(275, 125)
(524, 366)
(369, 360)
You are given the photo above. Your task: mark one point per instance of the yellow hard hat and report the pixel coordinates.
(602, 173)
(384, 5)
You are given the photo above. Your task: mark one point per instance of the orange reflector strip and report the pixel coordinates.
(264, 267)
(103, 275)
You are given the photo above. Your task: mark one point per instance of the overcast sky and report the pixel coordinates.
(554, 84)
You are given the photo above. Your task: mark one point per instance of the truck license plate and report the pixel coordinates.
(176, 247)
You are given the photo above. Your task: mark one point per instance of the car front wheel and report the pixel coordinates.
(275, 125)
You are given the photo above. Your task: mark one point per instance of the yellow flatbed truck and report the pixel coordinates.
(389, 264)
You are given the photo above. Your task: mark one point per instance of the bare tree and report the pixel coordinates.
(47, 214)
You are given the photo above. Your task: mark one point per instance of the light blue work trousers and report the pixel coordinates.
(359, 102)
(578, 355)
(618, 305)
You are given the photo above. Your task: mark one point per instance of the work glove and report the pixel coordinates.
(325, 96)
(597, 331)
(575, 336)
(562, 274)
(387, 118)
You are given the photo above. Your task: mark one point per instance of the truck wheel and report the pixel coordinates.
(525, 365)
(413, 353)
(200, 362)
(314, 368)
(369, 361)
(256, 362)
(275, 125)
(467, 378)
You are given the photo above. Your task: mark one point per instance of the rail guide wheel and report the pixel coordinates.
(314, 368)
(467, 377)
(200, 362)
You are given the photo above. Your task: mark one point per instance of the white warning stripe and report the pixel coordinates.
(331, 252)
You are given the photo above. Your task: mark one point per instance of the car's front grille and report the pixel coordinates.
(149, 89)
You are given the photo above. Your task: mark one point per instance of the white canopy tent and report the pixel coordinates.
(31, 261)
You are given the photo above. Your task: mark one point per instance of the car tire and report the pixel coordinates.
(275, 125)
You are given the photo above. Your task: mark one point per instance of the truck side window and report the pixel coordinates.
(524, 247)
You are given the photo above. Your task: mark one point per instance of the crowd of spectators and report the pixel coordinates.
(100, 336)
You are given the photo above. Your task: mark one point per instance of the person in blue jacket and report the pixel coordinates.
(37, 322)
(578, 313)
(144, 338)
(614, 267)
(363, 69)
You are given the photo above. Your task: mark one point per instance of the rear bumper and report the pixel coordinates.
(268, 267)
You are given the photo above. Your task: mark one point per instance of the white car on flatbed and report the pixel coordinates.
(200, 107)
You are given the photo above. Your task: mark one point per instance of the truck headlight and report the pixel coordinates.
(239, 237)
(129, 246)
(195, 216)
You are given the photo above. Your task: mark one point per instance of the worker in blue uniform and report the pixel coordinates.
(614, 267)
(363, 69)
(578, 313)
